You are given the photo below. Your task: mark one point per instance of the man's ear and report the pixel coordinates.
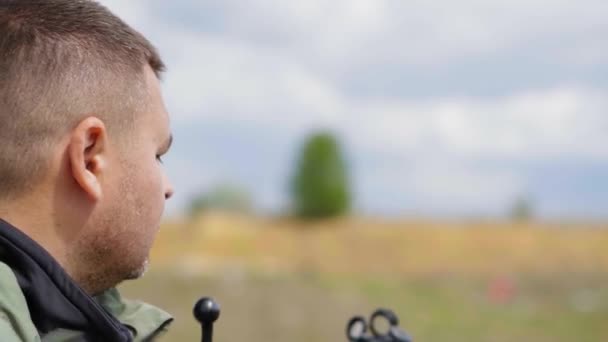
(87, 153)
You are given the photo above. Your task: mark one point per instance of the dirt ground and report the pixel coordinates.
(278, 280)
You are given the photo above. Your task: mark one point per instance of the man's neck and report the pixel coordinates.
(57, 224)
(36, 221)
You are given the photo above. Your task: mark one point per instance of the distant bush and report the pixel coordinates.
(320, 186)
(223, 197)
(522, 209)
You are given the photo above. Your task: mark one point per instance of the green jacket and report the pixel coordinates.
(145, 321)
(40, 302)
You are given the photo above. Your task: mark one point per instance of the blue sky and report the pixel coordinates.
(444, 108)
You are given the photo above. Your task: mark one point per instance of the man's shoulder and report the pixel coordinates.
(144, 320)
(15, 321)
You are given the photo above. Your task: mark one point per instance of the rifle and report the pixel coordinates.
(207, 311)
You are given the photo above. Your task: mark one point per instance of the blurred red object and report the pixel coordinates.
(501, 290)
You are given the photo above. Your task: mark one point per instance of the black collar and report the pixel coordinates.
(53, 298)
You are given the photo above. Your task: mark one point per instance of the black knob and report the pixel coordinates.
(206, 311)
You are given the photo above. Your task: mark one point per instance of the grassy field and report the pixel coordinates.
(279, 280)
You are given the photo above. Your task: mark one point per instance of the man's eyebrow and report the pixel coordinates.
(167, 144)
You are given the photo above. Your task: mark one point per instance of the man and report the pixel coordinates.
(82, 189)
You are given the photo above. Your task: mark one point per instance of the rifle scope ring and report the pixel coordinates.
(387, 315)
(356, 328)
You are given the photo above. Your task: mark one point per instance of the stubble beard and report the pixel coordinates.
(112, 251)
(139, 272)
(106, 261)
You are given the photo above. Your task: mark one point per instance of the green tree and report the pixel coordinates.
(320, 185)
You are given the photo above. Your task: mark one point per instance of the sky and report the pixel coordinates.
(443, 108)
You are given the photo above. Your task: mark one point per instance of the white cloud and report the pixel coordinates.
(287, 65)
(219, 78)
(564, 122)
(345, 33)
(344, 36)
(432, 184)
(444, 185)
(226, 76)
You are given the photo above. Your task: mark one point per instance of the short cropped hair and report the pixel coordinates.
(60, 61)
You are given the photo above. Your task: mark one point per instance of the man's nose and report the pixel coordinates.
(169, 190)
(169, 193)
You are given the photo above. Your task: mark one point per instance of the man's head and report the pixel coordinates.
(82, 126)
